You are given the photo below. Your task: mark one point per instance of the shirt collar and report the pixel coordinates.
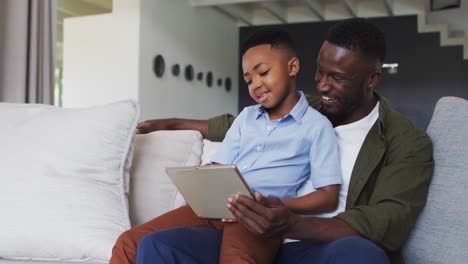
(261, 110)
(300, 108)
(297, 112)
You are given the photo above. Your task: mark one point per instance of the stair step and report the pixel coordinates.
(443, 31)
(455, 41)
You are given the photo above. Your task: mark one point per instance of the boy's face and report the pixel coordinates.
(268, 73)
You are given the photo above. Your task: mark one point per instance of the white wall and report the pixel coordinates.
(110, 57)
(101, 56)
(456, 18)
(186, 35)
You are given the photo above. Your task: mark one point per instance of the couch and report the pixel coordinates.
(134, 169)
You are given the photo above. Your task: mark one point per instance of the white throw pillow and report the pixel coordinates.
(209, 149)
(152, 192)
(62, 172)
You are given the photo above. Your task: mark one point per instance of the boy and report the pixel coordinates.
(277, 145)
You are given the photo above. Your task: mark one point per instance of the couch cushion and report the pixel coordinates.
(62, 178)
(151, 191)
(441, 233)
(209, 149)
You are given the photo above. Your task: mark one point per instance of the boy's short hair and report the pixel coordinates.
(274, 36)
(358, 34)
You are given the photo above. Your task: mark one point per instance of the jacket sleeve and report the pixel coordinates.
(218, 126)
(399, 193)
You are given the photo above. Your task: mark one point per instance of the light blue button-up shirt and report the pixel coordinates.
(276, 157)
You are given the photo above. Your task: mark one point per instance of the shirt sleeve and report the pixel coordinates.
(325, 166)
(229, 149)
(399, 193)
(218, 127)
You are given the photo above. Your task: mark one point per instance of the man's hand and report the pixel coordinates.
(149, 126)
(266, 216)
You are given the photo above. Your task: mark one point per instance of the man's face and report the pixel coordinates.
(345, 83)
(267, 73)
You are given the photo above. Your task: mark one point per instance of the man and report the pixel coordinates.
(387, 166)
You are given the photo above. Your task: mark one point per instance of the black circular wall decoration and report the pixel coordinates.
(158, 66)
(220, 82)
(175, 69)
(227, 84)
(188, 72)
(200, 76)
(209, 79)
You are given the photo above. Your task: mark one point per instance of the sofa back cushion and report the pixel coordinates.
(62, 180)
(441, 233)
(152, 193)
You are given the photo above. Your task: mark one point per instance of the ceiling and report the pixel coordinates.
(258, 12)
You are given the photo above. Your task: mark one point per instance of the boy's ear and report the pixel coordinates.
(293, 66)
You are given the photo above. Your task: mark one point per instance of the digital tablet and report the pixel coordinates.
(207, 188)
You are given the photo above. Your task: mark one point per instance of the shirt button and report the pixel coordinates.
(269, 128)
(259, 148)
(244, 168)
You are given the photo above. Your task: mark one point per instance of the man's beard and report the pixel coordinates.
(344, 110)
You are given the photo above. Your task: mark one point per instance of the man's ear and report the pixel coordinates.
(293, 66)
(374, 78)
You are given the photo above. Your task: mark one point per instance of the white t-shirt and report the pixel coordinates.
(350, 138)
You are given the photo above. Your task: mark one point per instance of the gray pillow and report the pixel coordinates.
(441, 233)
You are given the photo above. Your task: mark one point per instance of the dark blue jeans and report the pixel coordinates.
(202, 245)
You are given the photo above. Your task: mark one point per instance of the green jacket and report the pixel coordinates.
(389, 182)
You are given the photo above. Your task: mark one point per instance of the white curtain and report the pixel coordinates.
(27, 51)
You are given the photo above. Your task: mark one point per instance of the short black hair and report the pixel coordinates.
(274, 36)
(359, 34)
